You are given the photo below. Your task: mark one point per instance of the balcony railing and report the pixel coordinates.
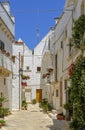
(5, 64)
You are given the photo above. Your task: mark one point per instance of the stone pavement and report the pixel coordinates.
(33, 119)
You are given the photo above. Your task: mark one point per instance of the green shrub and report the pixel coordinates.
(24, 103)
(33, 101)
(3, 122)
(45, 105)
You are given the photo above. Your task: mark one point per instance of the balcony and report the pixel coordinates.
(45, 75)
(5, 64)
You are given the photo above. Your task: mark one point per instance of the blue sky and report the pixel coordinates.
(33, 17)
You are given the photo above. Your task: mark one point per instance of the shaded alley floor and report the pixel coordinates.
(32, 119)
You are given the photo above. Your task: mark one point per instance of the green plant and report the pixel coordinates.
(77, 94)
(78, 32)
(2, 100)
(43, 102)
(24, 103)
(3, 122)
(77, 76)
(45, 105)
(68, 106)
(3, 111)
(33, 101)
(6, 111)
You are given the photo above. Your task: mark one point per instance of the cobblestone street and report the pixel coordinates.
(32, 119)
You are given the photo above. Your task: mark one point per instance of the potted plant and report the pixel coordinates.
(2, 110)
(24, 105)
(68, 108)
(33, 101)
(2, 122)
(60, 116)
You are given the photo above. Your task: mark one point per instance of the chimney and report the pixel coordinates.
(56, 20)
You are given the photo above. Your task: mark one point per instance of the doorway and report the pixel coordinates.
(38, 95)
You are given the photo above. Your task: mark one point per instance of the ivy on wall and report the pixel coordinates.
(78, 32)
(77, 94)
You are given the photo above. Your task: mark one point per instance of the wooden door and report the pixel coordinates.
(38, 95)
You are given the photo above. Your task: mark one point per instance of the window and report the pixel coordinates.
(66, 33)
(61, 96)
(27, 67)
(57, 93)
(38, 69)
(65, 84)
(13, 59)
(49, 44)
(61, 44)
(33, 52)
(21, 60)
(4, 81)
(70, 47)
(2, 46)
(56, 67)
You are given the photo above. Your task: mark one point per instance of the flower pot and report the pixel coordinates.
(60, 117)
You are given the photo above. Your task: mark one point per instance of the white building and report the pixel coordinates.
(60, 56)
(26, 86)
(6, 40)
(47, 76)
(17, 50)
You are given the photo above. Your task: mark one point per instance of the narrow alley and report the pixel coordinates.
(32, 119)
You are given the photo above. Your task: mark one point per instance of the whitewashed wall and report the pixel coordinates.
(6, 82)
(15, 81)
(64, 60)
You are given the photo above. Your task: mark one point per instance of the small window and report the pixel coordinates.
(49, 44)
(38, 69)
(2, 46)
(57, 93)
(56, 60)
(65, 84)
(33, 52)
(61, 44)
(66, 33)
(4, 81)
(27, 67)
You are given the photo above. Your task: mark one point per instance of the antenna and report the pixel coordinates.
(37, 34)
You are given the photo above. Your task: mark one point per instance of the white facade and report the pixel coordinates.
(65, 56)
(6, 39)
(30, 62)
(50, 59)
(17, 50)
(60, 56)
(47, 62)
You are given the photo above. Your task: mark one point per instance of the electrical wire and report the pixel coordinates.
(31, 11)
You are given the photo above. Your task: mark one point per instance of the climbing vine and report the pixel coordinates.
(78, 32)
(77, 95)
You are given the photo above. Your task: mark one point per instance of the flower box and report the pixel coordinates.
(7, 54)
(4, 51)
(24, 77)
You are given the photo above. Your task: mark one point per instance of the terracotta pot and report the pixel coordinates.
(60, 117)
